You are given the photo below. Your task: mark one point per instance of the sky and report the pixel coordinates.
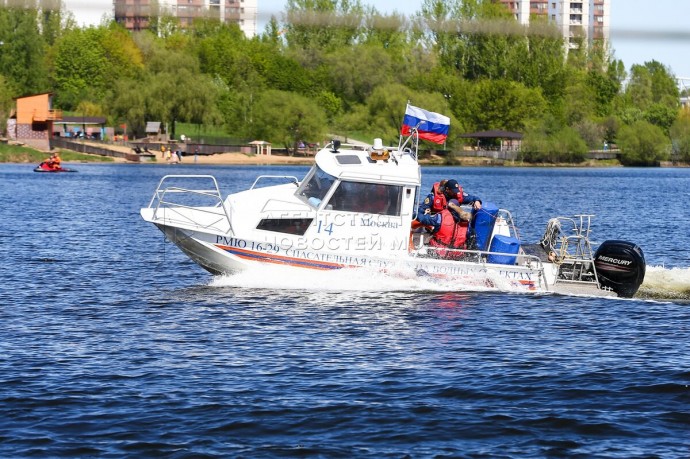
(641, 30)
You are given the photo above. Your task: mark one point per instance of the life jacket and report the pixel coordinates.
(451, 234)
(440, 201)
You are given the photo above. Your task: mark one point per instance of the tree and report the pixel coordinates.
(661, 115)
(487, 52)
(501, 104)
(6, 103)
(642, 144)
(170, 89)
(605, 87)
(433, 19)
(172, 97)
(286, 118)
(23, 50)
(567, 146)
(652, 83)
(580, 99)
(540, 64)
(680, 136)
(354, 72)
(563, 146)
(88, 62)
(323, 25)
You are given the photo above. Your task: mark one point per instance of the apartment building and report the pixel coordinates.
(136, 14)
(588, 19)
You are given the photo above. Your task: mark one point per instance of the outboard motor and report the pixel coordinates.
(620, 266)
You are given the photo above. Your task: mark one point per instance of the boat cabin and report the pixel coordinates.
(353, 197)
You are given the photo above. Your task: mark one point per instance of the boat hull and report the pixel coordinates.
(223, 254)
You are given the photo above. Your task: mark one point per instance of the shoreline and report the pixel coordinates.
(244, 159)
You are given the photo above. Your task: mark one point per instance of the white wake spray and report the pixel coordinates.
(348, 279)
(663, 283)
(660, 283)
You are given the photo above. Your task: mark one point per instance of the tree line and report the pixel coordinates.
(340, 66)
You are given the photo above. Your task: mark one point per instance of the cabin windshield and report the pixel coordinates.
(315, 186)
(370, 198)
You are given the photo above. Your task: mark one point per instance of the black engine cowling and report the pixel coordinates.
(620, 266)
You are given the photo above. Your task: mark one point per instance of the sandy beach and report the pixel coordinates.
(243, 159)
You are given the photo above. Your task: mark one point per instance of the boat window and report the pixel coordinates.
(296, 226)
(315, 187)
(368, 198)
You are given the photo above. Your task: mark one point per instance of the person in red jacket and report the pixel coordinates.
(448, 230)
(442, 192)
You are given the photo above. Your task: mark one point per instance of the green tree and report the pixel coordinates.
(170, 89)
(23, 49)
(661, 115)
(355, 72)
(680, 136)
(642, 144)
(563, 146)
(128, 103)
(592, 133)
(567, 146)
(540, 64)
(88, 62)
(652, 83)
(501, 104)
(605, 87)
(580, 99)
(323, 25)
(6, 103)
(487, 52)
(286, 118)
(436, 33)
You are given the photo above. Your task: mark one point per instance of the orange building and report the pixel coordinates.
(32, 123)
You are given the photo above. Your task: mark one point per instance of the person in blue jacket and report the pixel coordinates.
(441, 193)
(449, 230)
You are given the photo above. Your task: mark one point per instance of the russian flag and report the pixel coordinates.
(430, 126)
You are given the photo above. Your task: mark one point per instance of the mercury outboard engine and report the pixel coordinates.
(620, 266)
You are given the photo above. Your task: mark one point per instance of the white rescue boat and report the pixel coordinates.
(354, 209)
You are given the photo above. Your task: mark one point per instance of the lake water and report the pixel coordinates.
(115, 345)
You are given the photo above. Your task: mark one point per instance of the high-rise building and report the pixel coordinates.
(575, 19)
(135, 14)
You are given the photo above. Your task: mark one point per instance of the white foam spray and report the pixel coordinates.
(663, 283)
(659, 283)
(348, 279)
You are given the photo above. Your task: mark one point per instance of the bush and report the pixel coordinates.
(680, 135)
(564, 146)
(642, 144)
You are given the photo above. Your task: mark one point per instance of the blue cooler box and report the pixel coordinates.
(483, 224)
(503, 244)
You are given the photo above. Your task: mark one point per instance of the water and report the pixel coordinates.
(115, 345)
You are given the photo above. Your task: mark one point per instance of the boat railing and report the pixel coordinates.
(483, 257)
(504, 215)
(292, 179)
(164, 200)
(522, 259)
(567, 241)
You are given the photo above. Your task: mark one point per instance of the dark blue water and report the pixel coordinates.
(115, 345)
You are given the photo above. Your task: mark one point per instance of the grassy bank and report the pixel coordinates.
(470, 161)
(19, 154)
